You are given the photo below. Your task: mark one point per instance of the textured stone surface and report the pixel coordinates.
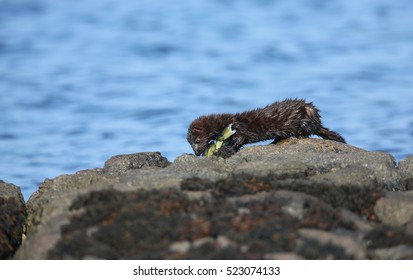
(122, 163)
(12, 219)
(406, 173)
(299, 199)
(295, 158)
(395, 208)
(401, 252)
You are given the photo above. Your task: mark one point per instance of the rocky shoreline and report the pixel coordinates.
(299, 199)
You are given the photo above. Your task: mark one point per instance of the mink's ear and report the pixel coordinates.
(190, 136)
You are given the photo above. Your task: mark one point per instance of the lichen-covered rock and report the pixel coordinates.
(406, 173)
(12, 218)
(56, 190)
(400, 252)
(122, 163)
(298, 158)
(350, 245)
(298, 199)
(395, 208)
(167, 225)
(213, 168)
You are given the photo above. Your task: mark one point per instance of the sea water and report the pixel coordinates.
(81, 81)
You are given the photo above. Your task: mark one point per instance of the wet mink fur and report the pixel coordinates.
(280, 120)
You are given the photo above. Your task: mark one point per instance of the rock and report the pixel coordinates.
(350, 246)
(160, 224)
(12, 219)
(202, 241)
(283, 256)
(384, 236)
(48, 208)
(401, 252)
(405, 168)
(190, 166)
(298, 158)
(224, 242)
(409, 228)
(299, 199)
(52, 194)
(119, 172)
(121, 163)
(180, 246)
(358, 222)
(395, 208)
(296, 202)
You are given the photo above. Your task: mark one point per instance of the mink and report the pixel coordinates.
(280, 120)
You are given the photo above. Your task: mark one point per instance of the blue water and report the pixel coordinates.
(81, 81)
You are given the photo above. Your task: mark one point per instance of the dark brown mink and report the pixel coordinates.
(280, 120)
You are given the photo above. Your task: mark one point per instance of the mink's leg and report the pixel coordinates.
(239, 141)
(275, 141)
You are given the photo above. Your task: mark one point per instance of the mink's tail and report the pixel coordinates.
(326, 133)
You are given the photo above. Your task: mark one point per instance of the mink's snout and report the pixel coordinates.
(197, 150)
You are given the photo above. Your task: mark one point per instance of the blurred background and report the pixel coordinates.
(81, 81)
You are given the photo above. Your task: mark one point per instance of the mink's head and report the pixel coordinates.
(205, 129)
(198, 135)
